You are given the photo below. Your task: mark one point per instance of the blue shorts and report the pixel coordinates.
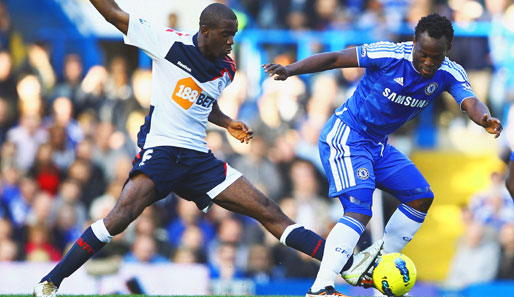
(193, 175)
(352, 161)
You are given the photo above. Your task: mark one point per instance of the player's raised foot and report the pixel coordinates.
(45, 289)
(359, 273)
(327, 292)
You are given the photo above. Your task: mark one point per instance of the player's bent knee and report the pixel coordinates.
(422, 204)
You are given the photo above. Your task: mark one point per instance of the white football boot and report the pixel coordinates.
(359, 274)
(45, 289)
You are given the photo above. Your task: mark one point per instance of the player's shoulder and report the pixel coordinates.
(228, 65)
(388, 49)
(454, 69)
(184, 37)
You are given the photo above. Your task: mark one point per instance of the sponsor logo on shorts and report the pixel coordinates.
(146, 156)
(362, 173)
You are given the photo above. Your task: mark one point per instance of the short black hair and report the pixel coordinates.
(436, 26)
(214, 13)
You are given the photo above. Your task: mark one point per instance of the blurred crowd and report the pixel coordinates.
(67, 143)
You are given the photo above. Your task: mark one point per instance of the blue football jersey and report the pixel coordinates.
(392, 91)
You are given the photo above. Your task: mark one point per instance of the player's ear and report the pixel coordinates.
(204, 30)
(450, 46)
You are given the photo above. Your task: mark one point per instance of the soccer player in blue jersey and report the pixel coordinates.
(401, 79)
(189, 72)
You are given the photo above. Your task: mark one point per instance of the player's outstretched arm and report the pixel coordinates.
(479, 113)
(112, 13)
(314, 63)
(237, 129)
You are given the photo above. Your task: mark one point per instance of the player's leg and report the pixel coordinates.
(347, 160)
(150, 179)
(138, 193)
(210, 180)
(400, 177)
(241, 197)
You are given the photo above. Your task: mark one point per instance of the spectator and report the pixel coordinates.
(308, 202)
(69, 86)
(258, 169)
(192, 241)
(260, 265)
(8, 91)
(41, 211)
(493, 207)
(187, 215)
(148, 224)
(67, 225)
(92, 184)
(20, 202)
(38, 248)
(144, 250)
(230, 239)
(8, 251)
(45, 171)
(10, 39)
(62, 115)
(38, 63)
(476, 257)
(101, 205)
(506, 266)
(184, 255)
(224, 265)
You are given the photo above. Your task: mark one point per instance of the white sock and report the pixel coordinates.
(401, 227)
(101, 232)
(339, 247)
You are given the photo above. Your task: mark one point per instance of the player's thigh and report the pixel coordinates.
(396, 174)
(206, 178)
(163, 165)
(243, 198)
(347, 158)
(138, 193)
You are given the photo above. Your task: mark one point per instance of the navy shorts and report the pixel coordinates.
(193, 175)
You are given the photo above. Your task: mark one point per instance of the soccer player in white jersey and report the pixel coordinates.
(189, 72)
(401, 79)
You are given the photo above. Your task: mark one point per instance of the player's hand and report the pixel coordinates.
(278, 71)
(240, 131)
(492, 125)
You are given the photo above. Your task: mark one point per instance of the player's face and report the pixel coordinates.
(429, 54)
(219, 40)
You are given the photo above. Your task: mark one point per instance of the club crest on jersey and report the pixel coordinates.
(362, 173)
(430, 88)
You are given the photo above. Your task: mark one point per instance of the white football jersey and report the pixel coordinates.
(184, 86)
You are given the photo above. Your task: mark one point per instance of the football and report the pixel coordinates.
(394, 274)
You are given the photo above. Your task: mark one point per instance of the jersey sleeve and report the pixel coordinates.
(155, 41)
(379, 55)
(459, 86)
